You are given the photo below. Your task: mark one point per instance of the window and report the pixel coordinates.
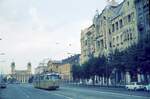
(113, 27)
(98, 43)
(105, 46)
(116, 25)
(109, 32)
(110, 44)
(128, 37)
(128, 3)
(85, 42)
(148, 19)
(131, 36)
(121, 43)
(120, 22)
(104, 18)
(102, 43)
(113, 39)
(121, 37)
(129, 18)
(117, 38)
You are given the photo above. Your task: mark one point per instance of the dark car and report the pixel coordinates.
(3, 85)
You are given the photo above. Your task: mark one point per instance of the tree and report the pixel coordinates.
(75, 71)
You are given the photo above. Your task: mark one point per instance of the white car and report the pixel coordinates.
(134, 86)
(147, 87)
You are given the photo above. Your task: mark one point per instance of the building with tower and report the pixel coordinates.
(21, 76)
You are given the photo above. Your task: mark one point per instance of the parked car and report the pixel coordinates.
(3, 85)
(134, 86)
(147, 87)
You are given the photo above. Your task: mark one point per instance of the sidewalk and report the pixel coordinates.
(98, 86)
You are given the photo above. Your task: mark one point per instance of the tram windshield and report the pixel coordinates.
(52, 77)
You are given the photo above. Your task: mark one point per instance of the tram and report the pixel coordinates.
(46, 81)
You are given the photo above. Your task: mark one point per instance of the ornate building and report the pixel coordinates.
(21, 75)
(143, 17)
(53, 66)
(114, 28)
(118, 26)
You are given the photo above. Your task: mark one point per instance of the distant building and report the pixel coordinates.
(40, 69)
(65, 71)
(64, 67)
(21, 75)
(74, 59)
(53, 66)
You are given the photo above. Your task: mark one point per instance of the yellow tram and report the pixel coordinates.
(47, 81)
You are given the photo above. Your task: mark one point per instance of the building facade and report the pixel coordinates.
(65, 71)
(40, 69)
(63, 67)
(21, 76)
(53, 66)
(114, 28)
(143, 17)
(118, 26)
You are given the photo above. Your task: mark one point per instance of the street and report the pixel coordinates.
(25, 91)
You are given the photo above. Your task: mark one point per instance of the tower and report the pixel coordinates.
(13, 68)
(29, 67)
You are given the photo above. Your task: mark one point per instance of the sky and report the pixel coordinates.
(34, 30)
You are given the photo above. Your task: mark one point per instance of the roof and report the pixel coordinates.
(115, 10)
(21, 71)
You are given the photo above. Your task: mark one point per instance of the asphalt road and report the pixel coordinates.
(64, 92)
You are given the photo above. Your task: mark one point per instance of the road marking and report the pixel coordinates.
(63, 96)
(25, 94)
(121, 94)
(20, 89)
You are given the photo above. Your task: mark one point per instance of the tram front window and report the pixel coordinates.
(53, 77)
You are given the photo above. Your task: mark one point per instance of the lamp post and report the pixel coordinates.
(1, 75)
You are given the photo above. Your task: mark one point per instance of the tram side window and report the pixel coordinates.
(47, 78)
(54, 77)
(42, 78)
(35, 78)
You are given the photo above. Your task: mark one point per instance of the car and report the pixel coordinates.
(3, 85)
(134, 86)
(147, 87)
